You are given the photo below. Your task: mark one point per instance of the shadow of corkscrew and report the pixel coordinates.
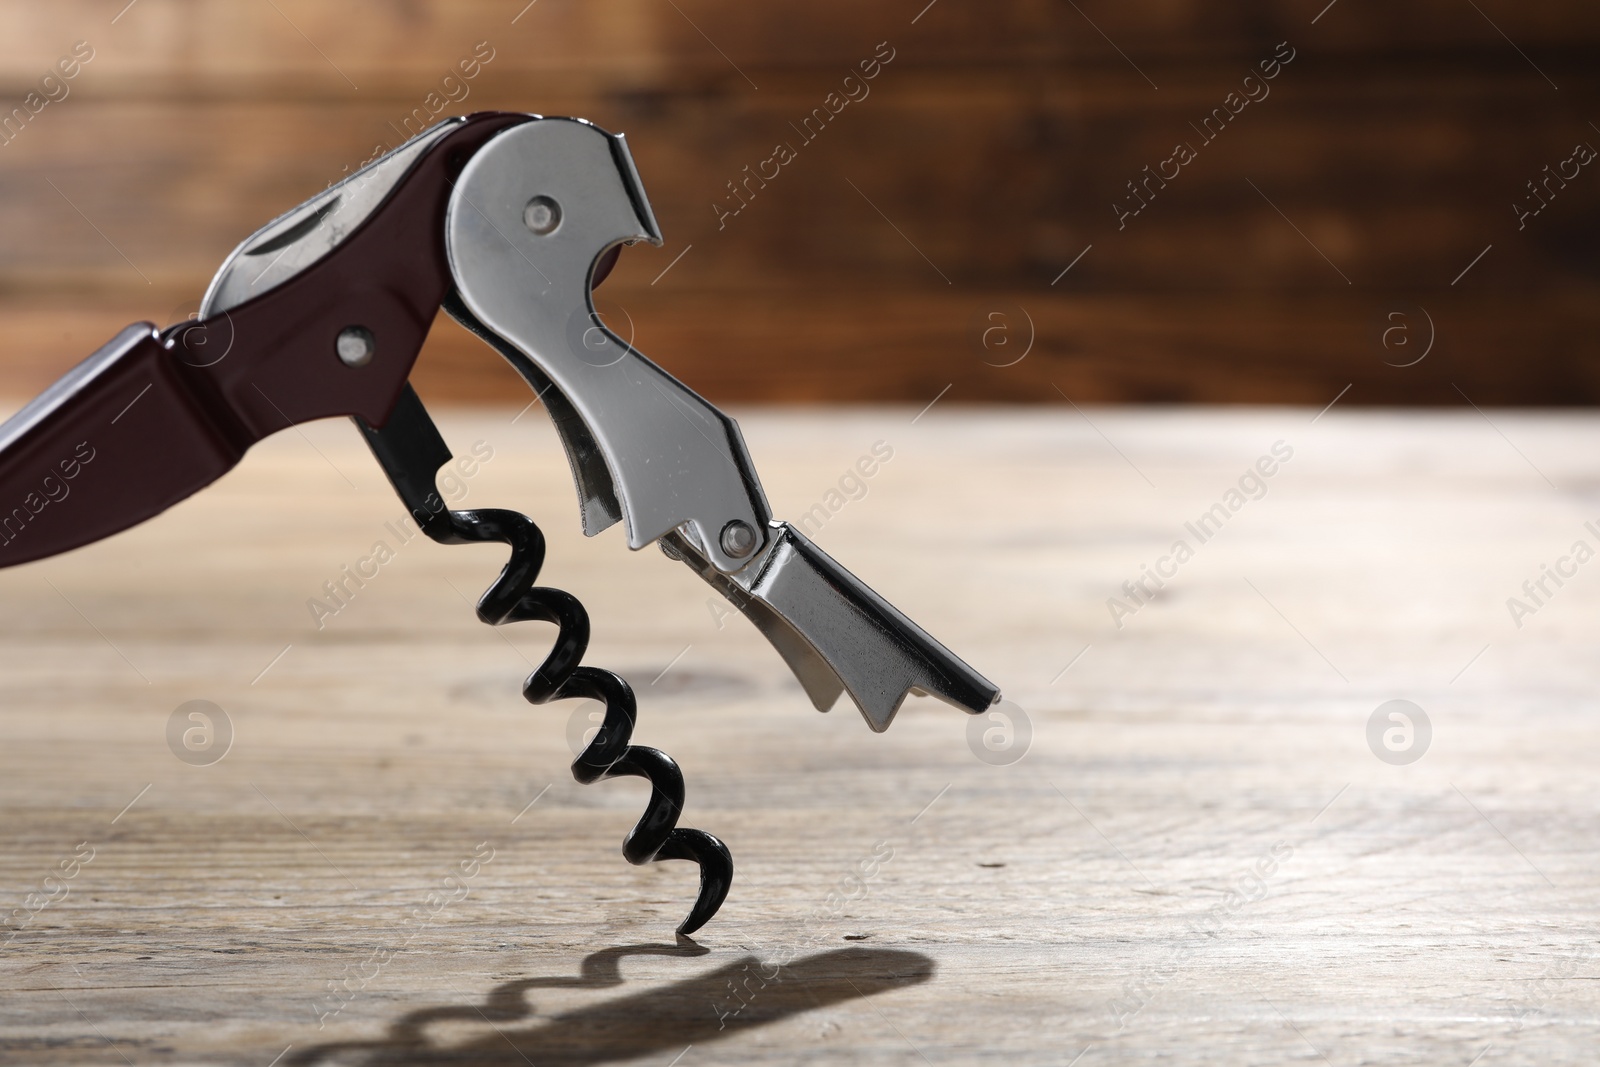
(667, 1018)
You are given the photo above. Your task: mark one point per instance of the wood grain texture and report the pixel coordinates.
(1197, 859)
(986, 159)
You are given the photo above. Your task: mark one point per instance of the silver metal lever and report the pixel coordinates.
(531, 214)
(836, 634)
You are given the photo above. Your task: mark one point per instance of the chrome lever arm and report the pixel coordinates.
(532, 214)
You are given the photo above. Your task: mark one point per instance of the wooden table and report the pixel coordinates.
(1199, 858)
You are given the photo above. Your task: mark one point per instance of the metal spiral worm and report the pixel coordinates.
(514, 598)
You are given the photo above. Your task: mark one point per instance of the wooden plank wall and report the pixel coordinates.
(1384, 158)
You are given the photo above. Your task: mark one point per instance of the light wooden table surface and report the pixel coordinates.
(1199, 859)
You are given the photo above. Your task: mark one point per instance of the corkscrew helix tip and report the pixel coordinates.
(411, 452)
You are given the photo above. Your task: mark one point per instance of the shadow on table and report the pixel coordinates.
(706, 1008)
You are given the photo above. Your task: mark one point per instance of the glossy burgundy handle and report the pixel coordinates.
(150, 419)
(389, 277)
(117, 440)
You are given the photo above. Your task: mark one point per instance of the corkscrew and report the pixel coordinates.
(506, 221)
(411, 451)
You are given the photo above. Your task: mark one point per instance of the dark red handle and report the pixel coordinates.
(150, 419)
(117, 440)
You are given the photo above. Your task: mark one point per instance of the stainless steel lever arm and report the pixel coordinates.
(529, 218)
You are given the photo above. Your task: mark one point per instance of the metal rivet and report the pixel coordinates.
(355, 346)
(669, 550)
(738, 539)
(542, 215)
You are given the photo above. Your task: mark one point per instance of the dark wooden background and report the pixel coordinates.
(985, 160)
